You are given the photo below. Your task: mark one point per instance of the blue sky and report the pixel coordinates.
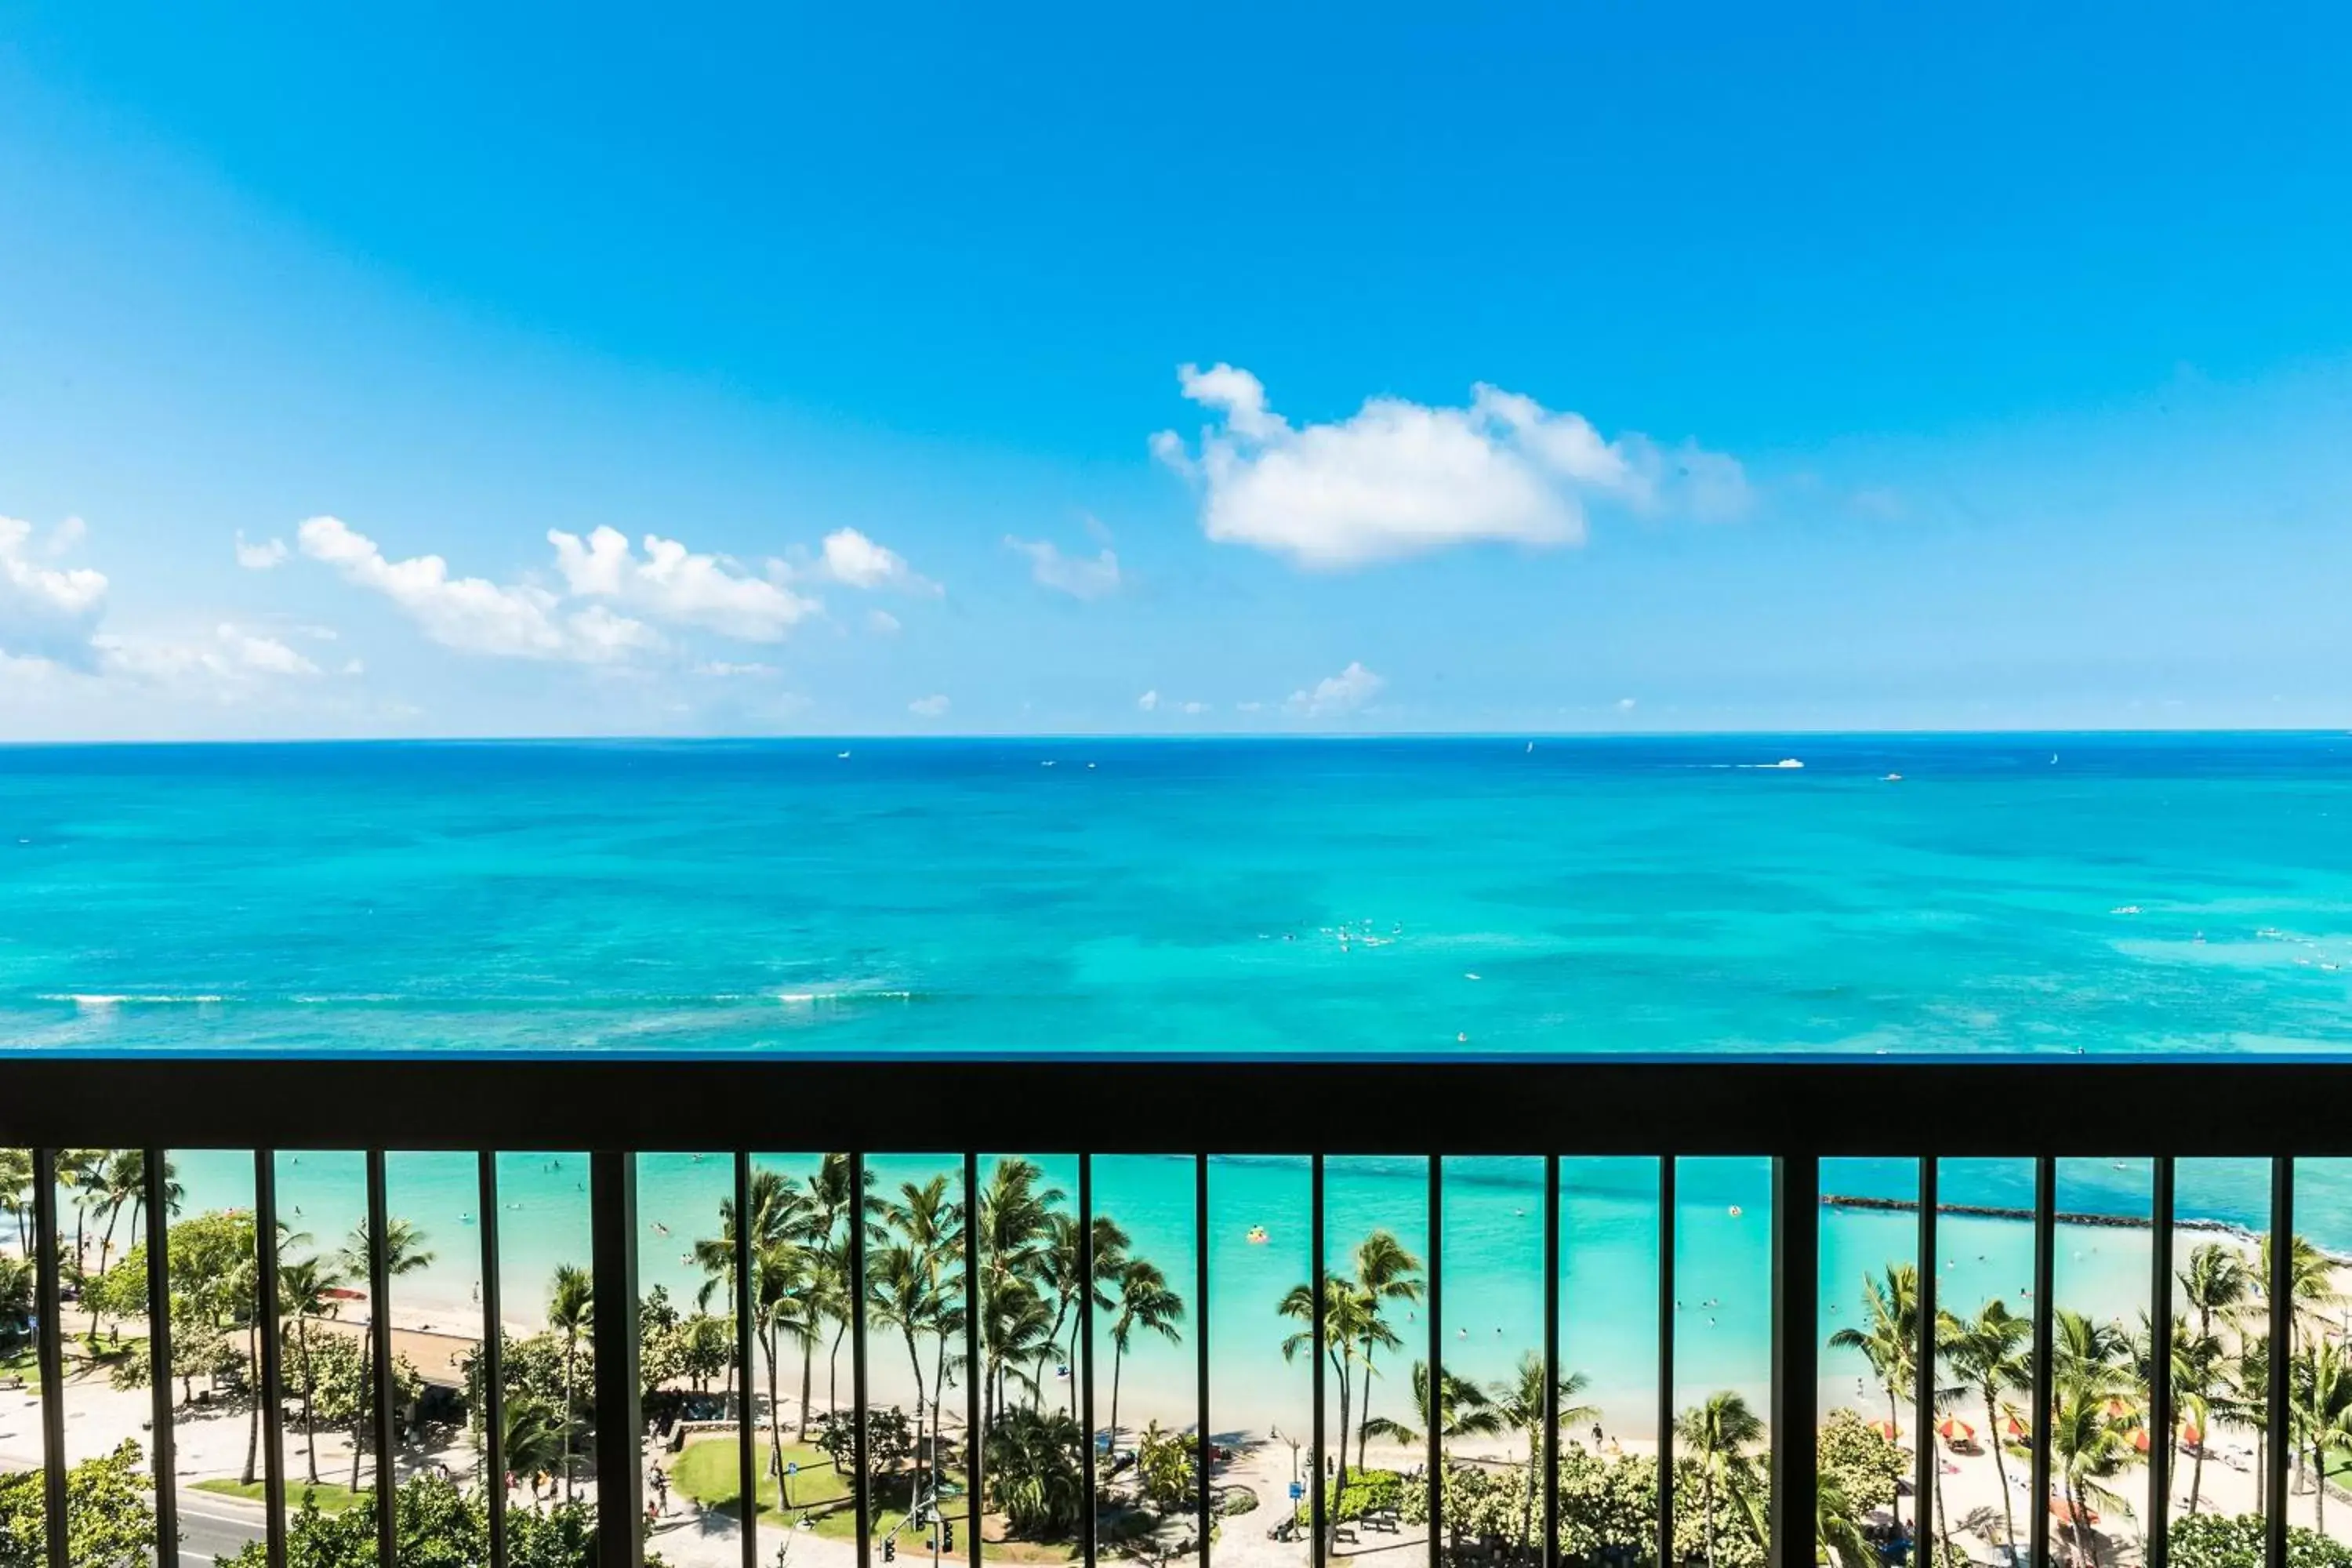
(1550, 369)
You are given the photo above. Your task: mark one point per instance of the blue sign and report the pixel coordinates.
(792, 1468)
(1297, 1491)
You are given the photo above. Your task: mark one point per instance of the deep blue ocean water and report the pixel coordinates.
(2037, 893)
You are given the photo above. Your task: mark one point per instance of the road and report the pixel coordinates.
(212, 1528)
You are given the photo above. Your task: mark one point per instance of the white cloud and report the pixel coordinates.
(46, 612)
(473, 615)
(857, 561)
(882, 623)
(1338, 695)
(723, 670)
(932, 706)
(1400, 478)
(1148, 701)
(65, 537)
(1196, 707)
(1625, 705)
(1073, 574)
(230, 657)
(1249, 706)
(672, 584)
(260, 557)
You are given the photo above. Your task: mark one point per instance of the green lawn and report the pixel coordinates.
(708, 1471)
(332, 1499)
(25, 1365)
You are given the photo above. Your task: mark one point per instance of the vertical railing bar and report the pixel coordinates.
(379, 1266)
(2159, 1371)
(612, 1221)
(51, 1352)
(1315, 1465)
(494, 1371)
(747, 1411)
(1550, 1555)
(1667, 1172)
(271, 1389)
(1433, 1477)
(974, 1459)
(2046, 1230)
(1796, 1356)
(2281, 1289)
(158, 1199)
(1924, 1522)
(1207, 1447)
(863, 1504)
(1085, 1370)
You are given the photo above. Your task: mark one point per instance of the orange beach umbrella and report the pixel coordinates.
(1955, 1430)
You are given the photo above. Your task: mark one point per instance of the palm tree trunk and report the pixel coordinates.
(309, 1419)
(1118, 1354)
(2197, 1473)
(808, 1362)
(253, 1431)
(1943, 1515)
(1707, 1502)
(1527, 1503)
(776, 1414)
(1999, 1470)
(1364, 1421)
(571, 1358)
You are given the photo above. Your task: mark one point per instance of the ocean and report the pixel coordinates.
(2146, 894)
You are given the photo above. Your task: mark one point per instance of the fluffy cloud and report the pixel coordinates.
(1073, 574)
(855, 561)
(46, 612)
(473, 615)
(260, 557)
(671, 584)
(1336, 696)
(1195, 709)
(932, 706)
(1148, 701)
(881, 622)
(1401, 478)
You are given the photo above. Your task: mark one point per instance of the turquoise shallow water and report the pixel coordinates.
(1643, 895)
(2136, 894)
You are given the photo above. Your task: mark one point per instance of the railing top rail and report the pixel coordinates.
(1951, 1105)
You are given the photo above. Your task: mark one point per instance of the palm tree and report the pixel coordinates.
(118, 1180)
(571, 1312)
(1145, 1302)
(1061, 1264)
(1385, 1272)
(1348, 1322)
(2092, 1420)
(303, 1290)
(2216, 1284)
(2319, 1409)
(1716, 1436)
(2311, 1278)
(1991, 1353)
(1528, 1402)
(1466, 1413)
(1837, 1527)
(537, 1438)
(1888, 1337)
(2248, 1402)
(17, 1194)
(244, 1291)
(405, 1251)
(1016, 1233)
(928, 1296)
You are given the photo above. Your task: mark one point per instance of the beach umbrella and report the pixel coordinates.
(1885, 1429)
(2016, 1429)
(1955, 1431)
(2191, 1436)
(2139, 1440)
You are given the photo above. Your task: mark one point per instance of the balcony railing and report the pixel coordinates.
(1321, 1121)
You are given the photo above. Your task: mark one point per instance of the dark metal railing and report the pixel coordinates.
(1795, 1113)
